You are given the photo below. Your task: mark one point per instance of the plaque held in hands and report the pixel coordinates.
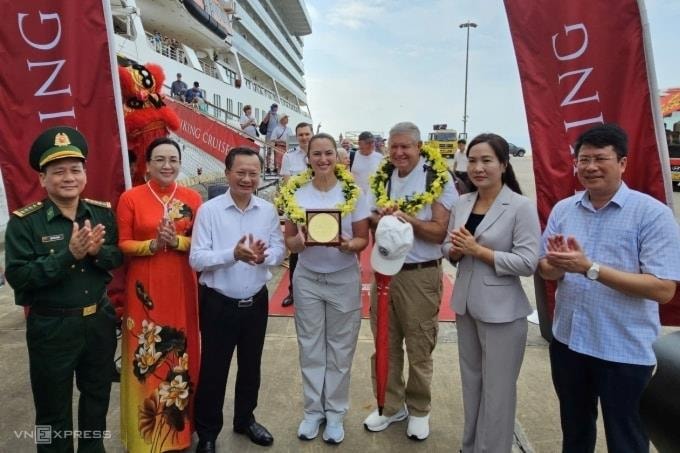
(323, 227)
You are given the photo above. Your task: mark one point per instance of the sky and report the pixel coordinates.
(372, 63)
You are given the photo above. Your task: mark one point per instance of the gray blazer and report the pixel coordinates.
(511, 229)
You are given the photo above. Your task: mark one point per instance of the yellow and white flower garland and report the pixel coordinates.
(287, 203)
(381, 177)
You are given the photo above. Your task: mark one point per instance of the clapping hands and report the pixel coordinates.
(86, 240)
(167, 234)
(250, 250)
(463, 243)
(566, 254)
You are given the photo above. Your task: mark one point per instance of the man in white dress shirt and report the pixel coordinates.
(366, 161)
(236, 239)
(295, 162)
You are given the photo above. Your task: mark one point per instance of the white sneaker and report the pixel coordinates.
(309, 429)
(376, 422)
(334, 433)
(533, 317)
(418, 427)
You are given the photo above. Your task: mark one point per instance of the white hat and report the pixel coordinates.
(393, 241)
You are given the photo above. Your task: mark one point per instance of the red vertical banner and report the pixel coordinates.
(582, 63)
(57, 70)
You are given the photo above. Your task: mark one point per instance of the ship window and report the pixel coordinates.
(217, 100)
(443, 136)
(257, 114)
(230, 105)
(122, 26)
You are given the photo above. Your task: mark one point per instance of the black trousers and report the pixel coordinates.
(59, 348)
(579, 381)
(292, 263)
(225, 326)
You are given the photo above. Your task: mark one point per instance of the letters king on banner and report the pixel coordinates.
(57, 70)
(207, 134)
(581, 63)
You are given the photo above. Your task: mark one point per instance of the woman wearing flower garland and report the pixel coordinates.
(160, 348)
(326, 286)
(494, 240)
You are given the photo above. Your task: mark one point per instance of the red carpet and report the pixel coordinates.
(275, 308)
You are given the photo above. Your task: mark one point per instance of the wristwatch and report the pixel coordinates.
(594, 272)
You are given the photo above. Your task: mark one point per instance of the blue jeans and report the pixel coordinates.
(579, 381)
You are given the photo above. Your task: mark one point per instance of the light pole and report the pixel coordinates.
(467, 25)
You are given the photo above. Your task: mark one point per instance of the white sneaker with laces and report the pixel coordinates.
(418, 427)
(334, 433)
(376, 422)
(309, 429)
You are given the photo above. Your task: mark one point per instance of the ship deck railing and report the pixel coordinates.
(175, 52)
(219, 114)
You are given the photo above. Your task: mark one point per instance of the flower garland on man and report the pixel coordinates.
(380, 181)
(414, 185)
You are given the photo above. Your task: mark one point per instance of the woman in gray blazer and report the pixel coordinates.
(494, 239)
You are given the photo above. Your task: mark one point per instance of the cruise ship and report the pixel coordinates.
(240, 52)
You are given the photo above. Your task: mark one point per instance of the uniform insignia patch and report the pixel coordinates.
(103, 204)
(28, 209)
(53, 238)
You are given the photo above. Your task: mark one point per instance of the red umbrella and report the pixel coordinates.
(382, 338)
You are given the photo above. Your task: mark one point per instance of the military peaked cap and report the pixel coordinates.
(57, 143)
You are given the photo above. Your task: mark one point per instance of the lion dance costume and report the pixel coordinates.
(146, 115)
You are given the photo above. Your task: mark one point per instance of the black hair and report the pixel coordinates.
(602, 136)
(240, 151)
(132, 157)
(502, 150)
(196, 84)
(303, 124)
(161, 141)
(319, 136)
(463, 141)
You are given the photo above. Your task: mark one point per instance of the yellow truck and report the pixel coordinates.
(444, 139)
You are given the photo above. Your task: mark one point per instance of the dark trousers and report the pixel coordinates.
(292, 263)
(58, 348)
(225, 326)
(579, 381)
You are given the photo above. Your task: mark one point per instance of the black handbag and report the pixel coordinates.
(263, 128)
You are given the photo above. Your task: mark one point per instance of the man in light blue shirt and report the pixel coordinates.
(295, 162)
(236, 238)
(614, 254)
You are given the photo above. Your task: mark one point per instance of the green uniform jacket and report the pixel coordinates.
(39, 265)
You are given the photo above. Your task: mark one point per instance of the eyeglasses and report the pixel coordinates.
(598, 160)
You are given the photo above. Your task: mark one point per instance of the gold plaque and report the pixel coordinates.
(323, 227)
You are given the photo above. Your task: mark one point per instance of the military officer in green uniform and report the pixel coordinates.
(59, 252)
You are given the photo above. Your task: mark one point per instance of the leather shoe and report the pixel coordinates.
(288, 301)
(257, 434)
(205, 446)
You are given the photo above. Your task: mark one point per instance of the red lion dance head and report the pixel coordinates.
(146, 116)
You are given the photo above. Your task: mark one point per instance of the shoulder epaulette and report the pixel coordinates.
(28, 209)
(102, 204)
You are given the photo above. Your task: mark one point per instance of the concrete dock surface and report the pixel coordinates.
(280, 401)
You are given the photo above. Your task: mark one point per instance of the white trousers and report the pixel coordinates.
(327, 320)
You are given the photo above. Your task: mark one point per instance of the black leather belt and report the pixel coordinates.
(423, 265)
(242, 303)
(88, 310)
